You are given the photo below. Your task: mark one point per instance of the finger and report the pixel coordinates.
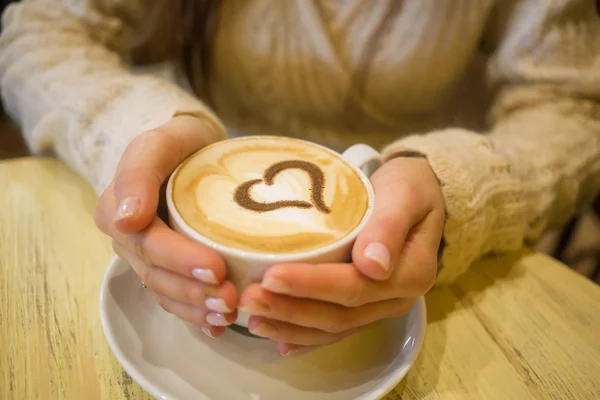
(343, 284)
(159, 245)
(340, 284)
(418, 263)
(221, 299)
(284, 332)
(399, 205)
(186, 312)
(199, 316)
(327, 317)
(148, 161)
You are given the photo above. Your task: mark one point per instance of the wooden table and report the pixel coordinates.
(518, 327)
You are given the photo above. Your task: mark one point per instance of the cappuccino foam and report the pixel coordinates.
(269, 195)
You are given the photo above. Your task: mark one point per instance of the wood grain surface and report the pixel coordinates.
(517, 327)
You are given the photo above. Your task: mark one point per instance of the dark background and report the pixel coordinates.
(11, 142)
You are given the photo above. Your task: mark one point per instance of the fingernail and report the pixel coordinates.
(292, 349)
(378, 253)
(255, 307)
(263, 329)
(276, 285)
(128, 207)
(217, 305)
(205, 275)
(217, 319)
(207, 331)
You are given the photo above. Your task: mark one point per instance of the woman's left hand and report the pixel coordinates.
(394, 261)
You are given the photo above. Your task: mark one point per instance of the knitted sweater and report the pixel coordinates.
(290, 67)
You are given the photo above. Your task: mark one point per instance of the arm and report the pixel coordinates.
(65, 80)
(540, 161)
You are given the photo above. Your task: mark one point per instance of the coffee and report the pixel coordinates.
(269, 195)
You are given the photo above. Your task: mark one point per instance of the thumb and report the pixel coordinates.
(398, 206)
(147, 163)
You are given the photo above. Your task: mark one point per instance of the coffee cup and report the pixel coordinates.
(259, 201)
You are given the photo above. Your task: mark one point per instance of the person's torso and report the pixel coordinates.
(347, 71)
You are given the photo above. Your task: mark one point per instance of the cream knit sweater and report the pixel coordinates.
(287, 67)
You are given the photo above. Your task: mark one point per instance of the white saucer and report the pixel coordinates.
(173, 361)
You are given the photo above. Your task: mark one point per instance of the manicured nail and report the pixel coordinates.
(292, 349)
(378, 253)
(217, 319)
(276, 286)
(128, 207)
(205, 275)
(262, 329)
(207, 331)
(255, 307)
(217, 305)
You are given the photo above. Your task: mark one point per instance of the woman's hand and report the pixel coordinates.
(187, 278)
(394, 261)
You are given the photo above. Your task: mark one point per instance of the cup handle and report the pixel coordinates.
(364, 157)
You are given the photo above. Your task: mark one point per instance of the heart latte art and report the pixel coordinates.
(269, 195)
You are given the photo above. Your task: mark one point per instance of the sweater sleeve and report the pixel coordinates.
(540, 160)
(65, 77)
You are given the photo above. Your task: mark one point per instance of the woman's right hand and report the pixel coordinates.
(187, 278)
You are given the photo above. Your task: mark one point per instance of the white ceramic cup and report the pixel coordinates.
(246, 267)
